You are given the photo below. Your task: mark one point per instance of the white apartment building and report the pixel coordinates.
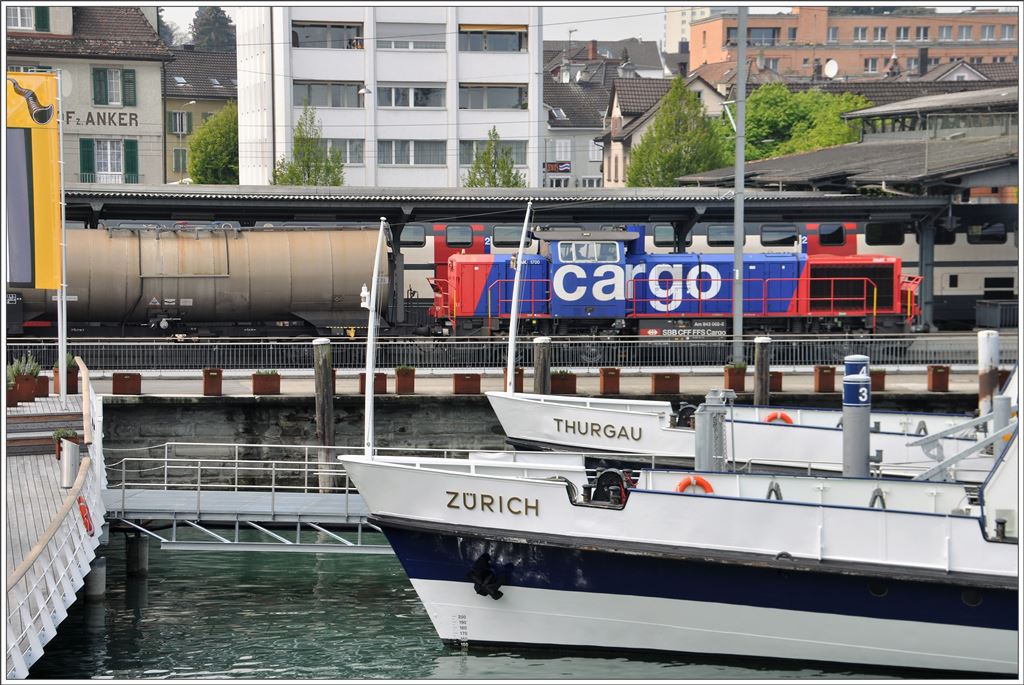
(678, 20)
(407, 94)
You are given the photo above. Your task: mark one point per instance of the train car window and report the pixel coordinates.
(883, 233)
(413, 235)
(775, 235)
(998, 288)
(508, 236)
(992, 233)
(607, 252)
(720, 235)
(664, 235)
(585, 251)
(831, 235)
(458, 236)
(954, 281)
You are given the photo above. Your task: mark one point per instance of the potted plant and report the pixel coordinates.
(563, 382)
(24, 378)
(125, 383)
(266, 382)
(517, 384)
(465, 384)
(405, 380)
(735, 375)
(609, 380)
(664, 383)
(212, 379)
(72, 367)
(12, 399)
(69, 434)
(824, 378)
(380, 383)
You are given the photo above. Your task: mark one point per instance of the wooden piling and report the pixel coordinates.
(324, 411)
(542, 365)
(762, 352)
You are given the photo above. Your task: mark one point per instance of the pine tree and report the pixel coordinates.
(213, 151)
(493, 166)
(311, 163)
(213, 30)
(169, 32)
(681, 140)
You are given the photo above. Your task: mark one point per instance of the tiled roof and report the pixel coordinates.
(1006, 71)
(938, 72)
(642, 53)
(637, 95)
(584, 104)
(717, 73)
(112, 32)
(1004, 99)
(885, 91)
(197, 67)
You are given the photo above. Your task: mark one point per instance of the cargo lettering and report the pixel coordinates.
(665, 282)
(598, 430)
(495, 504)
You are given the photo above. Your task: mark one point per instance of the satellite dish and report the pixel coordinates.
(831, 68)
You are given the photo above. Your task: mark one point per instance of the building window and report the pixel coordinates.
(902, 33)
(563, 150)
(350, 149)
(833, 34)
(326, 94)
(913, 63)
(469, 149)
(772, 63)
(999, 59)
(945, 33)
(179, 122)
(860, 34)
(406, 96)
(988, 32)
(595, 153)
(933, 62)
(492, 97)
(870, 65)
(1007, 32)
(922, 33)
(29, 69)
(416, 152)
(109, 162)
(180, 160)
(977, 60)
(331, 36)
(791, 33)
(963, 33)
(955, 59)
(21, 18)
(556, 182)
(880, 34)
(591, 182)
(615, 162)
(480, 39)
(410, 36)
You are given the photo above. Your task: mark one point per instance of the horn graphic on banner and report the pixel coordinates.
(41, 115)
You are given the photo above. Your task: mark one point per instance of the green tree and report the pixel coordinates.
(169, 32)
(213, 152)
(213, 30)
(681, 140)
(312, 164)
(493, 166)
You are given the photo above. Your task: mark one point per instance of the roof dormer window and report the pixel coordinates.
(180, 81)
(559, 113)
(216, 83)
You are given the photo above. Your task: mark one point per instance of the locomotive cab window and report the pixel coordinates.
(884, 233)
(586, 251)
(664, 235)
(508, 236)
(831, 235)
(720, 235)
(777, 235)
(458, 236)
(992, 233)
(413, 235)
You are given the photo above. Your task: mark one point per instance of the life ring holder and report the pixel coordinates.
(83, 509)
(699, 481)
(777, 416)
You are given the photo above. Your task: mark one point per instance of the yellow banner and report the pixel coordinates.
(33, 181)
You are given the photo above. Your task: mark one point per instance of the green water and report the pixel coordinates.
(295, 616)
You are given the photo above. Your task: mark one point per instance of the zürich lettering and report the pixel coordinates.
(598, 430)
(497, 504)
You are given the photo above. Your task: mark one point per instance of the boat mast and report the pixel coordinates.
(513, 323)
(371, 341)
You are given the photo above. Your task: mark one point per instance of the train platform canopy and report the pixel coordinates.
(93, 203)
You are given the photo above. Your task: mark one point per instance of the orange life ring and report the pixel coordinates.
(778, 415)
(695, 480)
(83, 509)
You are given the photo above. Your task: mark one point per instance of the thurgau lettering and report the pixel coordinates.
(598, 430)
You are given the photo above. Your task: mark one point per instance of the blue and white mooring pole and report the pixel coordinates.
(857, 424)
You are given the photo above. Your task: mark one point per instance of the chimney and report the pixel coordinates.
(188, 47)
(922, 61)
(592, 50)
(816, 72)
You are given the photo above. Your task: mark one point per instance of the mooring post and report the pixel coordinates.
(138, 555)
(96, 580)
(324, 411)
(856, 365)
(542, 365)
(762, 352)
(856, 425)
(988, 369)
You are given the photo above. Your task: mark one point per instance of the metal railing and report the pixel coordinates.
(892, 352)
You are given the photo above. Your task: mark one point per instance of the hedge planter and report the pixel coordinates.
(380, 383)
(774, 381)
(266, 384)
(877, 379)
(563, 384)
(734, 378)
(938, 378)
(466, 384)
(25, 388)
(12, 400)
(42, 386)
(518, 386)
(72, 381)
(127, 384)
(664, 383)
(405, 381)
(608, 381)
(213, 380)
(824, 379)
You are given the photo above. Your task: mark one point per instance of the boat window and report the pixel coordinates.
(989, 233)
(664, 235)
(458, 236)
(776, 235)
(413, 235)
(586, 251)
(508, 236)
(884, 233)
(720, 235)
(831, 235)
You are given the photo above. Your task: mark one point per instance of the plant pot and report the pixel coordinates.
(72, 381)
(12, 399)
(518, 384)
(734, 378)
(25, 388)
(212, 382)
(664, 383)
(877, 379)
(774, 381)
(466, 384)
(405, 381)
(938, 378)
(127, 384)
(608, 381)
(42, 388)
(563, 384)
(824, 379)
(266, 384)
(57, 446)
(380, 383)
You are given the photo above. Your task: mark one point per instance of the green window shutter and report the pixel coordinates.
(170, 122)
(43, 19)
(86, 160)
(128, 87)
(99, 86)
(131, 161)
(188, 123)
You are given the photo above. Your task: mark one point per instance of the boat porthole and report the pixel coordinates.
(878, 588)
(971, 598)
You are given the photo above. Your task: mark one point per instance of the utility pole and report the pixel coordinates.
(738, 181)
